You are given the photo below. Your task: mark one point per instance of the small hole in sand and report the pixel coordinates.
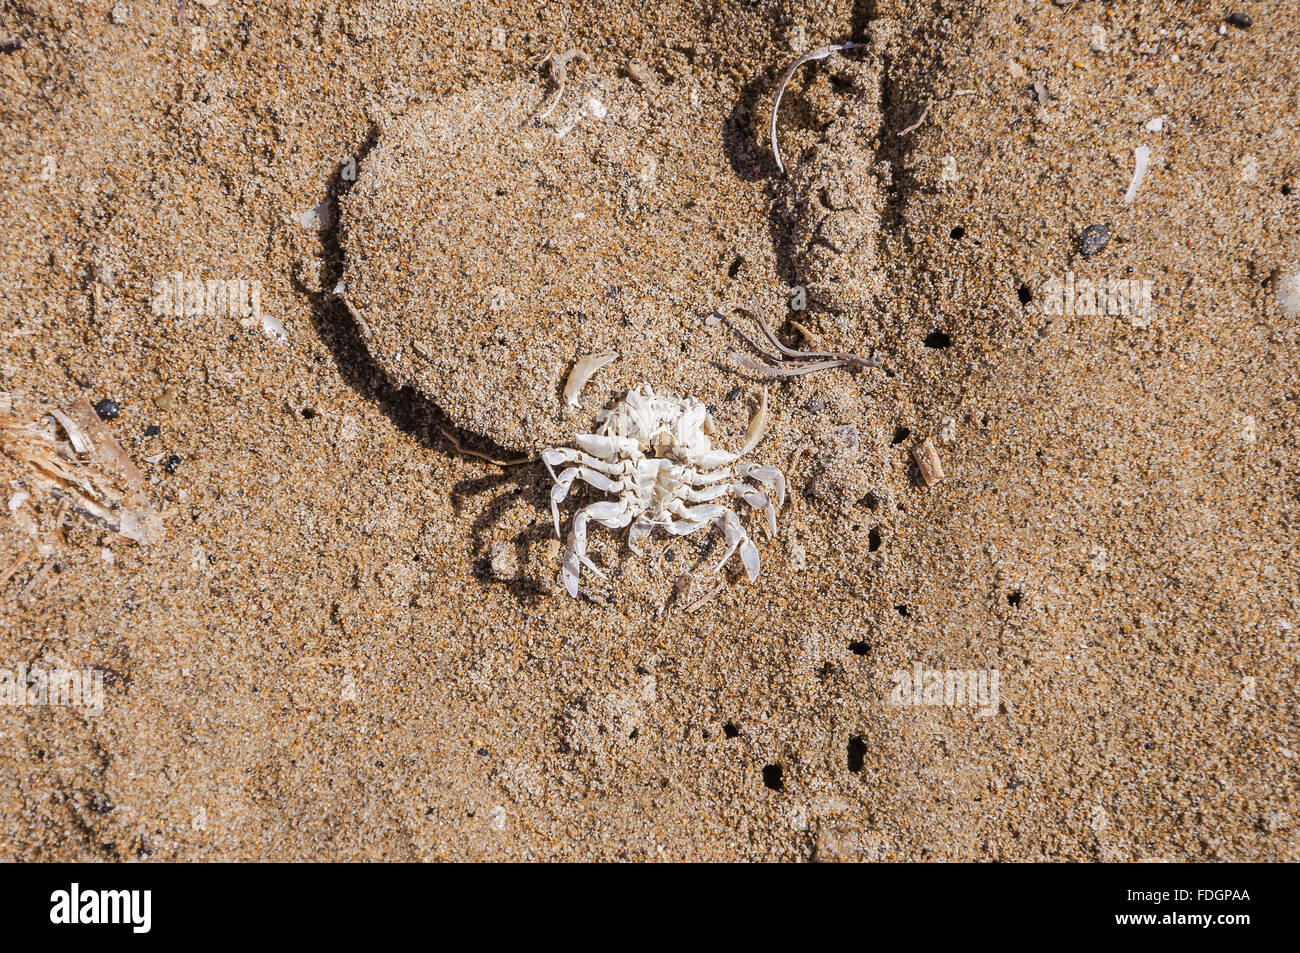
(901, 434)
(938, 339)
(857, 753)
(735, 267)
(904, 611)
(1013, 598)
(773, 777)
(860, 648)
(1025, 294)
(957, 233)
(731, 729)
(873, 539)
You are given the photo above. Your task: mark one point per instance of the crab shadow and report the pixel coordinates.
(422, 419)
(500, 556)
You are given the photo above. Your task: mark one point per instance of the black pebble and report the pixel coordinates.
(171, 463)
(1093, 239)
(152, 430)
(1242, 21)
(107, 409)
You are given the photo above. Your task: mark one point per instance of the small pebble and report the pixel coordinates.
(1287, 291)
(501, 559)
(152, 430)
(639, 73)
(1242, 21)
(172, 463)
(1093, 239)
(107, 409)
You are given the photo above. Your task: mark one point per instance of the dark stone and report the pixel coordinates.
(1093, 239)
(107, 409)
(1242, 21)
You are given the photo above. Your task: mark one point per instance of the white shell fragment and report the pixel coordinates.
(1288, 292)
(76, 436)
(1141, 156)
(582, 372)
(274, 329)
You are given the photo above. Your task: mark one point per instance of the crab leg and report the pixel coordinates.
(558, 455)
(707, 495)
(736, 536)
(770, 476)
(695, 478)
(608, 514)
(564, 482)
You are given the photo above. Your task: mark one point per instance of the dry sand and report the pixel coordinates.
(349, 642)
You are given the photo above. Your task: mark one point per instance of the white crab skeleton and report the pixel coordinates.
(654, 451)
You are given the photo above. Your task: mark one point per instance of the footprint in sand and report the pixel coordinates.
(491, 240)
(497, 236)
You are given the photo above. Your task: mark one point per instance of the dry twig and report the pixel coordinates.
(478, 454)
(559, 65)
(780, 362)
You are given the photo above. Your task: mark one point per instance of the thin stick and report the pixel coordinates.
(721, 315)
(811, 355)
(14, 567)
(706, 598)
(559, 63)
(782, 371)
(916, 125)
(466, 451)
(853, 359)
(817, 54)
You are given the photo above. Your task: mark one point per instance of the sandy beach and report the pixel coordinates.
(290, 297)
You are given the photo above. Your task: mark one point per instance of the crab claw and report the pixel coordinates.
(607, 514)
(563, 483)
(557, 456)
(770, 476)
(712, 459)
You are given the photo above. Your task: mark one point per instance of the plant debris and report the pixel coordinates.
(818, 54)
(782, 363)
(106, 486)
(559, 66)
(926, 456)
(479, 455)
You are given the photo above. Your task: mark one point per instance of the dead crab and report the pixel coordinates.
(654, 451)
